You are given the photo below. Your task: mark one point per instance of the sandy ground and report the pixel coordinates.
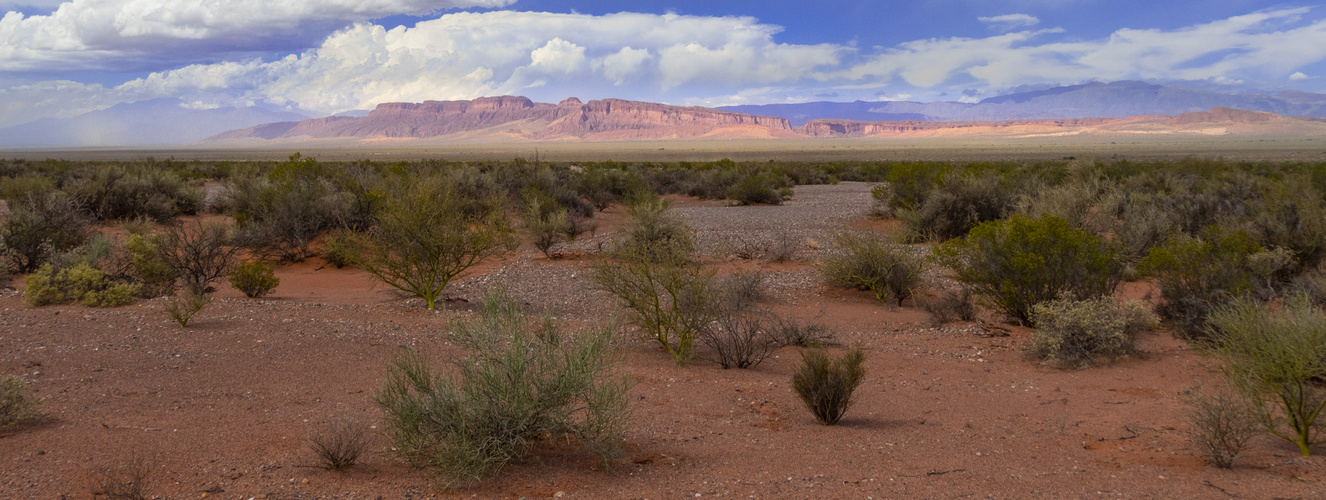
(223, 408)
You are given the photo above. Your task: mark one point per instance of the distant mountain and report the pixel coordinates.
(151, 122)
(511, 118)
(1092, 100)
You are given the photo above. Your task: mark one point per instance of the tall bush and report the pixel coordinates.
(38, 227)
(1017, 263)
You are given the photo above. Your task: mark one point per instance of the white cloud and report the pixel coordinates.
(100, 34)
(624, 64)
(1298, 76)
(1009, 22)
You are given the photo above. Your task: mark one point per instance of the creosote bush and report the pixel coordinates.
(826, 385)
(1277, 359)
(17, 404)
(868, 262)
(1220, 424)
(1076, 333)
(547, 224)
(1017, 263)
(520, 382)
(340, 444)
(39, 227)
(81, 283)
(424, 239)
(340, 248)
(254, 278)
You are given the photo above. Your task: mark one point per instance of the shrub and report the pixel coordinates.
(199, 253)
(130, 480)
(755, 190)
(121, 192)
(1197, 274)
(741, 338)
(783, 248)
(790, 332)
(652, 273)
(1137, 222)
(148, 267)
(546, 223)
(254, 278)
(340, 249)
(423, 240)
(21, 187)
(81, 283)
(867, 262)
(38, 227)
(184, 305)
(1075, 333)
(1278, 359)
(950, 306)
(281, 214)
(1220, 424)
(1017, 263)
(519, 382)
(956, 206)
(17, 405)
(881, 195)
(826, 385)
(340, 445)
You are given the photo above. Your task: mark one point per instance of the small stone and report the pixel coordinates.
(559, 494)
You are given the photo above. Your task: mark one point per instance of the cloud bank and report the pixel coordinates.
(671, 58)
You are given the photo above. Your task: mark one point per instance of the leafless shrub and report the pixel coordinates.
(340, 444)
(129, 480)
(791, 332)
(950, 306)
(1221, 424)
(741, 338)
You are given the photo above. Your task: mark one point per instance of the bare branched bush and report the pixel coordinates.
(200, 253)
(1220, 424)
(826, 385)
(791, 332)
(129, 480)
(950, 306)
(340, 444)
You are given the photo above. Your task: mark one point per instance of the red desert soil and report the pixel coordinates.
(222, 408)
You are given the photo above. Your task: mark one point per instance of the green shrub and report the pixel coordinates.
(154, 275)
(281, 214)
(81, 283)
(826, 385)
(1075, 333)
(254, 278)
(340, 248)
(39, 227)
(519, 382)
(185, 304)
(546, 223)
(868, 262)
(755, 190)
(423, 240)
(1197, 274)
(1137, 222)
(1017, 263)
(1220, 424)
(17, 405)
(655, 232)
(121, 192)
(21, 187)
(1277, 358)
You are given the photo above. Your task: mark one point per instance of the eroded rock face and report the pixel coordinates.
(849, 128)
(611, 118)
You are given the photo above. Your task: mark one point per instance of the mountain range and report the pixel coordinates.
(150, 122)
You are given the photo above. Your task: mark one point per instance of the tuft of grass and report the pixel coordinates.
(340, 444)
(826, 385)
(184, 305)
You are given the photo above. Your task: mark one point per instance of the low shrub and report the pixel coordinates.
(39, 227)
(81, 283)
(340, 248)
(868, 262)
(199, 253)
(1017, 263)
(950, 306)
(1220, 425)
(826, 385)
(148, 267)
(254, 278)
(790, 332)
(184, 305)
(129, 480)
(519, 382)
(546, 223)
(1076, 333)
(340, 444)
(741, 338)
(17, 404)
(1277, 358)
(280, 215)
(755, 190)
(956, 206)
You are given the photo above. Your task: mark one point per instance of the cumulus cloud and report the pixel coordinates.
(671, 58)
(1298, 76)
(1009, 22)
(101, 34)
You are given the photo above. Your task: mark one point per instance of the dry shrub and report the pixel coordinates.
(790, 332)
(741, 339)
(869, 262)
(1075, 333)
(17, 405)
(129, 480)
(1221, 423)
(340, 444)
(950, 306)
(826, 385)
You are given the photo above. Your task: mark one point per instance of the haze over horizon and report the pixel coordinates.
(321, 57)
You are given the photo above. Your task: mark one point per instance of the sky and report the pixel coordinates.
(321, 57)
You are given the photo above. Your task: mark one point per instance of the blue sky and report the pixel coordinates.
(62, 58)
